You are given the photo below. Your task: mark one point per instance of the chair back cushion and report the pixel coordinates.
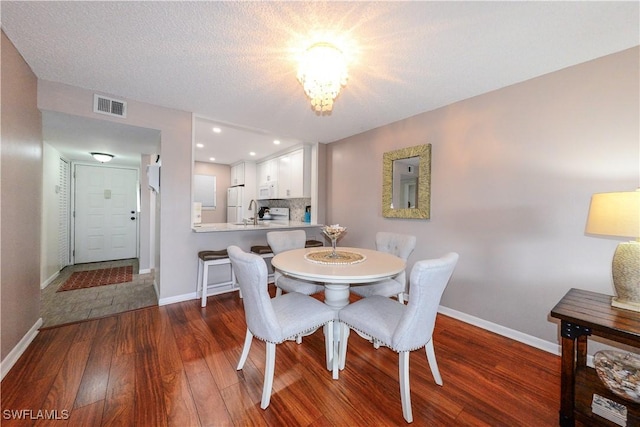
(281, 241)
(251, 274)
(400, 245)
(428, 280)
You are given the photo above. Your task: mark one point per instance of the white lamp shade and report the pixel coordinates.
(615, 214)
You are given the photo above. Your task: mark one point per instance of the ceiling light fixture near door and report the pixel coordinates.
(322, 71)
(102, 157)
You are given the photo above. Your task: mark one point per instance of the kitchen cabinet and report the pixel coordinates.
(293, 175)
(237, 174)
(267, 171)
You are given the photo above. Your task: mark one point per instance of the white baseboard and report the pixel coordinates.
(49, 280)
(178, 298)
(14, 355)
(144, 271)
(501, 330)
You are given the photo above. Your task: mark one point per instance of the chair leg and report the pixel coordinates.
(245, 349)
(205, 280)
(433, 364)
(342, 347)
(269, 369)
(401, 297)
(405, 392)
(298, 339)
(278, 292)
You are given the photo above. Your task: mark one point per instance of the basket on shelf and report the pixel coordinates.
(620, 372)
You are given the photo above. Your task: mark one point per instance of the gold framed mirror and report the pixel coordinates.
(406, 183)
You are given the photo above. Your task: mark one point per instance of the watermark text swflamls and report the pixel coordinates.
(32, 414)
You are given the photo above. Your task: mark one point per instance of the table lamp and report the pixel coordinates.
(618, 214)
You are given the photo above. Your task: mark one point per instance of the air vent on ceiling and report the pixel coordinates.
(109, 106)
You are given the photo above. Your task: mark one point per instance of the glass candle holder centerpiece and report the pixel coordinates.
(333, 232)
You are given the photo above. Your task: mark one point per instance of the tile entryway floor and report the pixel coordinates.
(81, 304)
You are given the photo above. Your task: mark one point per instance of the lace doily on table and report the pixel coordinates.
(344, 257)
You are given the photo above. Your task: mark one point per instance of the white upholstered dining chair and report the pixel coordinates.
(281, 241)
(275, 320)
(400, 245)
(403, 328)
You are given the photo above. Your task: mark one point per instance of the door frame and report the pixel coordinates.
(72, 216)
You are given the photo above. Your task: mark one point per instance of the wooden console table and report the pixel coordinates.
(584, 313)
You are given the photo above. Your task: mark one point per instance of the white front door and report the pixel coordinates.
(105, 213)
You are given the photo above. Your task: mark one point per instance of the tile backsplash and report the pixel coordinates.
(296, 206)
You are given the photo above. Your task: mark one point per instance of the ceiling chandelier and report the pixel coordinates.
(322, 71)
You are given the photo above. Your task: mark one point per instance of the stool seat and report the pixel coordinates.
(313, 244)
(261, 250)
(213, 255)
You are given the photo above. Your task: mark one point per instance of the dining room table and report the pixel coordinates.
(338, 271)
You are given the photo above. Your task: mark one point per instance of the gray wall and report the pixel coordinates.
(512, 176)
(20, 198)
(513, 171)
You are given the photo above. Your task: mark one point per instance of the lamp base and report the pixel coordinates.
(626, 276)
(627, 305)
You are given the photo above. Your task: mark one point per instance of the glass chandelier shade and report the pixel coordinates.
(322, 72)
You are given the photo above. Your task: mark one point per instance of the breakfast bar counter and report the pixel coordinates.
(262, 226)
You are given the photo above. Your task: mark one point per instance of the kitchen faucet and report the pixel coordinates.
(255, 214)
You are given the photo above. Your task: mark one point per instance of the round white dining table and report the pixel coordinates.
(338, 277)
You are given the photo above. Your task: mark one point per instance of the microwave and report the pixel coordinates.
(268, 190)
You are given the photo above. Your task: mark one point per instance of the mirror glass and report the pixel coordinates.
(407, 183)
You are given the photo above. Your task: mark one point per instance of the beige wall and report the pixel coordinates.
(20, 195)
(173, 220)
(49, 260)
(512, 175)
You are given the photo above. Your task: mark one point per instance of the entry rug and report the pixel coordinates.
(92, 278)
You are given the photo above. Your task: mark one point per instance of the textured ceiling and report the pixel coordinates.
(234, 62)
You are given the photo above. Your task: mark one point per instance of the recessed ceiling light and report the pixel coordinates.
(252, 153)
(277, 142)
(217, 130)
(199, 145)
(212, 159)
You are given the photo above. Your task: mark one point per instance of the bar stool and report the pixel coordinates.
(266, 253)
(205, 260)
(313, 244)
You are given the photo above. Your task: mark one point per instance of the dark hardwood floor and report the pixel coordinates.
(175, 366)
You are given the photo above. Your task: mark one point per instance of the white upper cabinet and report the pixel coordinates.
(267, 171)
(292, 171)
(291, 175)
(237, 174)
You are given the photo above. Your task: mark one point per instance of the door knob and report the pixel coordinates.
(133, 218)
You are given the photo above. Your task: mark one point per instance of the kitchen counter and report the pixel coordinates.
(262, 225)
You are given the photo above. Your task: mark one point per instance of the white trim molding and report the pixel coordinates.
(501, 330)
(50, 280)
(178, 298)
(14, 355)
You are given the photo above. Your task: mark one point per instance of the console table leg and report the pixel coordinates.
(567, 393)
